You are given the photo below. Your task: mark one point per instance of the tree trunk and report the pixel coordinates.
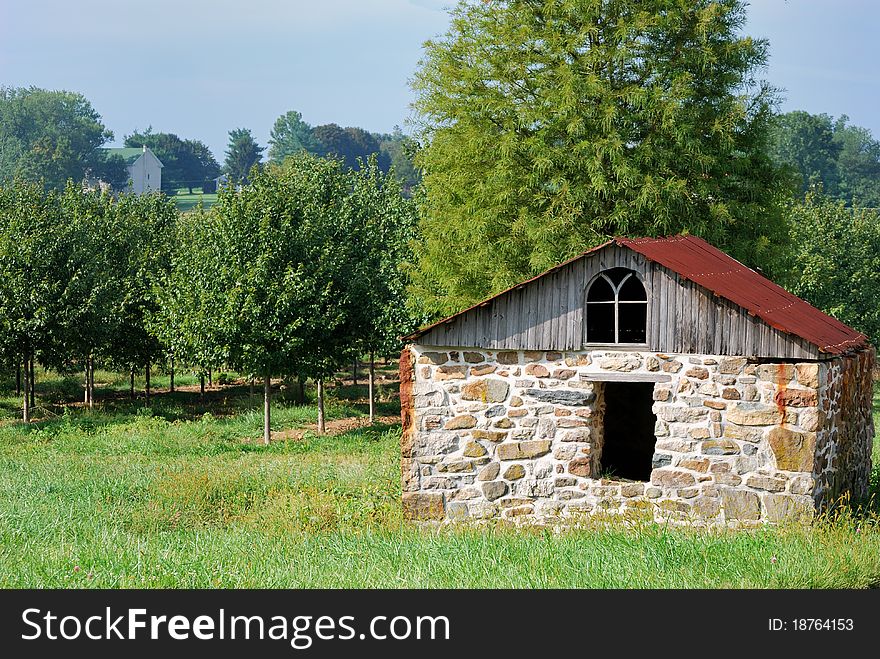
(86, 386)
(354, 372)
(267, 401)
(321, 425)
(147, 383)
(33, 386)
(372, 390)
(210, 378)
(171, 387)
(202, 386)
(251, 387)
(26, 408)
(302, 390)
(17, 378)
(90, 385)
(131, 385)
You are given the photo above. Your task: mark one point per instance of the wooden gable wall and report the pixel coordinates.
(683, 317)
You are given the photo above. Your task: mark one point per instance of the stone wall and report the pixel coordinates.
(518, 435)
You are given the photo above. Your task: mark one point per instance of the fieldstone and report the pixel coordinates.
(516, 401)
(495, 410)
(514, 472)
(620, 362)
(554, 356)
(457, 510)
(672, 478)
(797, 397)
(802, 485)
(632, 489)
(730, 393)
(697, 372)
(719, 447)
(516, 414)
(494, 490)
(731, 365)
(561, 397)
(581, 467)
(485, 369)
(456, 466)
(778, 373)
(681, 414)
(423, 505)
(507, 357)
(811, 419)
(793, 450)
(808, 374)
(464, 494)
(787, 507)
(653, 492)
(473, 357)
(436, 358)
(676, 445)
(461, 422)
(671, 366)
(740, 504)
(563, 374)
(523, 450)
(695, 464)
(503, 423)
(659, 460)
(754, 414)
(487, 390)
(533, 355)
(537, 370)
(767, 483)
(750, 392)
(489, 472)
(546, 428)
(572, 423)
(652, 364)
(699, 433)
(565, 452)
(560, 411)
(662, 394)
(473, 450)
(706, 507)
(565, 482)
(747, 433)
(489, 435)
(451, 373)
(715, 404)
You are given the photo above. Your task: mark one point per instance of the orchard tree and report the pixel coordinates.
(49, 136)
(34, 245)
(242, 154)
(386, 223)
(549, 125)
(263, 282)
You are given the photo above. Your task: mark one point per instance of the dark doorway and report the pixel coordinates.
(628, 447)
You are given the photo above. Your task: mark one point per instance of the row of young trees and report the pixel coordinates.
(292, 275)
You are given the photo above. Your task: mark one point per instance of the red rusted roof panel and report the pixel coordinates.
(696, 260)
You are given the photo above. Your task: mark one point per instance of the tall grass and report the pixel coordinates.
(173, 496)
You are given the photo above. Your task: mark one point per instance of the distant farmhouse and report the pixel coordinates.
(144, 169)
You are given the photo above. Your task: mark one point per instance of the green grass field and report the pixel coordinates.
(179, 494)
(186, 201)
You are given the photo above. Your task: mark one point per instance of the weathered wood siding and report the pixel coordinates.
(683, 317)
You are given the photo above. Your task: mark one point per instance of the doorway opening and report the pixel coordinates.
(628, 446)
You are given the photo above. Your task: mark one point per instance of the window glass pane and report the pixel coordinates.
(617, 274)
(600, 291)
(631, 323)
(600, 323)
(632, 289)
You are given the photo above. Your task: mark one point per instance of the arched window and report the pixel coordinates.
(617, 308)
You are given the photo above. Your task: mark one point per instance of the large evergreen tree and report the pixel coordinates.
(550, 125)
(242, 154)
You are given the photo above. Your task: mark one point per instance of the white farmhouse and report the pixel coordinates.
(144, 169)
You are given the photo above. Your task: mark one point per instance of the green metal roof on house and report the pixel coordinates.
(129, 155)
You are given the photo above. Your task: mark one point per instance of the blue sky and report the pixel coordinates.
(199, 68)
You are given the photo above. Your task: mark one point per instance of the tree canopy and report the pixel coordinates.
(49, 136)
(242, 154)
(842, 159)
(548, 126)
(186, 163)
(289, 136)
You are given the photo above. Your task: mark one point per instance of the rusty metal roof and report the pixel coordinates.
(695, 259)
(700, 262)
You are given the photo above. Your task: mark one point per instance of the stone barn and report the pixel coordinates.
(649, 376)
